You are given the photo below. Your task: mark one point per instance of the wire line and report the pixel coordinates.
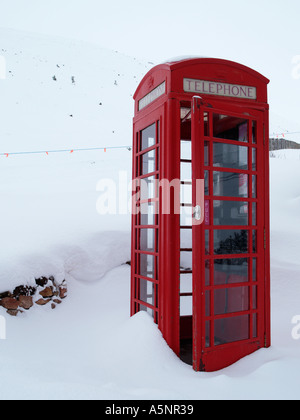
(65, 150)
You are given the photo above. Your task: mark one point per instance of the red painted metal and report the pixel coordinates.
(182, 116)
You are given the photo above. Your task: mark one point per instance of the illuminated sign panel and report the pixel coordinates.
(219, 89)
(152, 96)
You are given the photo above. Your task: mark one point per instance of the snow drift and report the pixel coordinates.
(89, 347)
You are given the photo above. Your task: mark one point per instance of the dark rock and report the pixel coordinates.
(42, 281)
(42, 302)
(25, 302)
(10, 303)
(63, 292)
(57, 301)
(12, 312)
(5, 295)
(46, 293)
(24, 291)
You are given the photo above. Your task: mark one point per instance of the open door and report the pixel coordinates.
(229, 246)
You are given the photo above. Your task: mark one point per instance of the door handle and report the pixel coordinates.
(197, 213)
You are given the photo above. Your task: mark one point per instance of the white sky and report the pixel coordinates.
(262, 34)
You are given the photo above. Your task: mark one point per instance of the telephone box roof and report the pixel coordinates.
(205, 67)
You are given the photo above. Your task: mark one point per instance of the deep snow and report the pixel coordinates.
(89, 347)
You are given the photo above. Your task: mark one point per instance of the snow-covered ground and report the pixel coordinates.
(49, 220)
(89, 347)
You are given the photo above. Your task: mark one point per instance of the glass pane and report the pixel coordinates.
(254, 186)
(254, 265)
(186, 261)
(207, 248)
(186, 283)
(147, 265)
(185, 113)
(230, 156)
(186, 150)
(147, 240)
(186, 193)
(229, 184)
(254, 325)
(206, 153)
(148, 137)
(185, 127)
(230, 300)
(148, 162)
(207, 334)
(207, 303)
(148, 214)
(206, 212)
(254, 241)
(186, 238)
(148, 187)
(254, 153)
(186, 305)
(230, 128)
(230, 213)
(254, 222)
(230, 271)
(147, 291)
(207, 272)
(230, 242)
(232, 329)
(185, 171)
(206, 182)
(186, 216)
(254, 297)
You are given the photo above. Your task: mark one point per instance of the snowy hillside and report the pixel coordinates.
(60, 94)
(65, 94)
(88, 347)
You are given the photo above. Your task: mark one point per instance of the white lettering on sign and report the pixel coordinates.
(152, 96)
(219, 88)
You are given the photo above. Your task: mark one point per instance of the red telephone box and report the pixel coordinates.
(200, 263)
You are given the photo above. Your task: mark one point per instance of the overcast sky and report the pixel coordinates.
(262, 34)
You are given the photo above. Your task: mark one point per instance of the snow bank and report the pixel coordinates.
(49, 220)
(285, 202)
(89, 347)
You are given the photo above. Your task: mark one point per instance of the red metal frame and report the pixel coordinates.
(157, 120)
(164, 111)
(214, 357)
